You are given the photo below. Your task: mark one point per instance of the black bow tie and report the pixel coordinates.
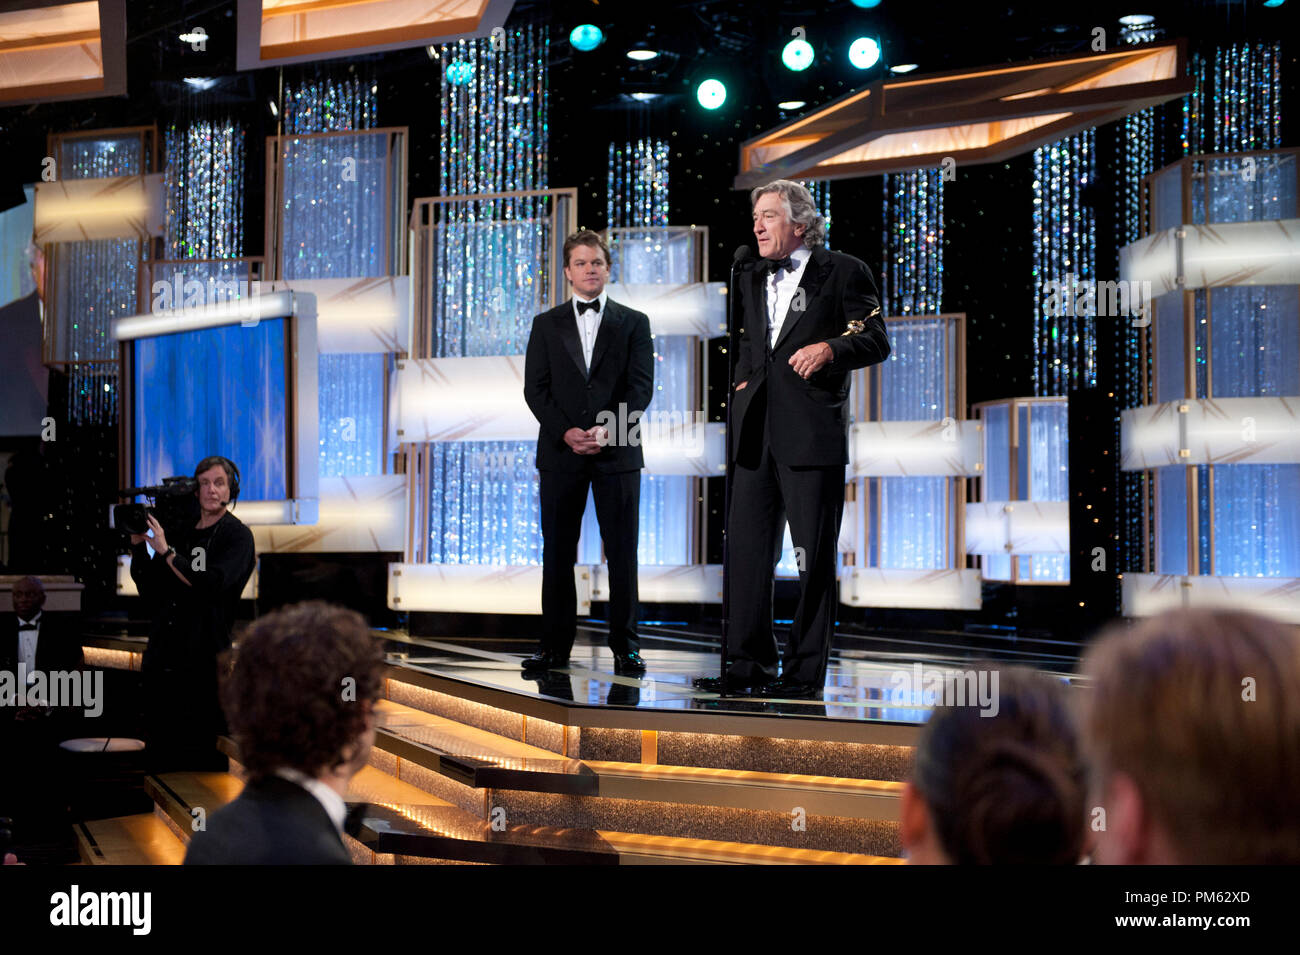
(593, 304)
(773, 264)
(27, 626)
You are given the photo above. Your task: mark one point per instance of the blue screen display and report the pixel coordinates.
(214, 391)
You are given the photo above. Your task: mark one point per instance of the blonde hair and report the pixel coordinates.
(1201, 709)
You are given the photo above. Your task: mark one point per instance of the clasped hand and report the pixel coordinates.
(586, 442)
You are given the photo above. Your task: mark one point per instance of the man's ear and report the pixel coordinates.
(913, 820)
(1126, 840)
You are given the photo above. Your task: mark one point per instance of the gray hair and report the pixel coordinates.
(799, 208)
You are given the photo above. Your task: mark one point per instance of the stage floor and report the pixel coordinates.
(871, 677)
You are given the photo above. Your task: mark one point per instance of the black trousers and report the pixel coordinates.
(563, 500)
(765, 494)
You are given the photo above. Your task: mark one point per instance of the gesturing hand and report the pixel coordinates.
(810, 359)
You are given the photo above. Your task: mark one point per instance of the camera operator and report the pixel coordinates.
(193, 582)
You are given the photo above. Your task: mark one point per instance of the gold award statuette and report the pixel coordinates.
(857, 325)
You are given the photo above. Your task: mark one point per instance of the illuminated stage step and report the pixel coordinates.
(144, 839)
(405, 825)
(753, 735)
(485, 774)
(482, 760)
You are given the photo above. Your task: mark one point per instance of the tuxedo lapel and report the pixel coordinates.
(814, 276)
(567, 326)
(609, 325)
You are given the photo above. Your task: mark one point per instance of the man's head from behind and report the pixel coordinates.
(586, 263)
(996, 789)
(301, 691)
(1192, 731)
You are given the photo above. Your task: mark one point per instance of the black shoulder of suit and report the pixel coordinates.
(273, 822)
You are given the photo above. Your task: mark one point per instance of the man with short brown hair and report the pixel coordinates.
(589, 360)
(1192, 732)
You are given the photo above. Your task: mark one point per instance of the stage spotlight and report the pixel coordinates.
(275, 110)
(864, 52)
(797, 55)
(586, 37)
(711, 94)
(642, 54)
(866, 4)
(792, 104)
(1274, 3)
(200, 82)
(903, 68)
(644, 97)
(460, 72)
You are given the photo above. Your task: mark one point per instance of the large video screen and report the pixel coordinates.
(217, 390)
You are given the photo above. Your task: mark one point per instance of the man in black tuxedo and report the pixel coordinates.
(32, 784)
(300, 700)
(590, 363)
(811, 316)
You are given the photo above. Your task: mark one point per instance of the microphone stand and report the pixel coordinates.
(742, 256)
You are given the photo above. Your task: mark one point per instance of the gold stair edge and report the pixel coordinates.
(739, 852)
(143, 839)
(873, 787)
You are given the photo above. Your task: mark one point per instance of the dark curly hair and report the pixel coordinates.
(1009, 788)
(284, 688)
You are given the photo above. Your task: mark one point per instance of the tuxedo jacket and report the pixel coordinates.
(58, 648)
(562, 395)
(273, 822)
(808, 418)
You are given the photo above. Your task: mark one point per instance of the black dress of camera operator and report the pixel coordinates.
(193, 583)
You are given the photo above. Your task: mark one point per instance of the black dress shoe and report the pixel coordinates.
(788, 688)
(544, 660)
(629, 664)
(735, 686)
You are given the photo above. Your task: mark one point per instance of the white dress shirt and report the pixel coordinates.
(589, 324)
(27, 640)
(781, 286)
(334, 805)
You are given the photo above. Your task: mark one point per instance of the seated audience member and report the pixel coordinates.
(299, 700)
(998, 789)
(44, 648)
(1191, 729)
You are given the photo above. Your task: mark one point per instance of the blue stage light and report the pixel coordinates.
(797, 55)
(866, 4)
(864, 52)
(711, 94)
(460, 72)
(586, 37)
(1274, 3)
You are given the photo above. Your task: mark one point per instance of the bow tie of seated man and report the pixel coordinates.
(27, 626)
(594, 305)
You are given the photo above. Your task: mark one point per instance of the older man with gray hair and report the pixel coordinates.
(811, 316)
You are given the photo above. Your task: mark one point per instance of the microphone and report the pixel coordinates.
(743, 257)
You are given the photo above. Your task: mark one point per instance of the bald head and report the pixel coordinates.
(29, 596)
